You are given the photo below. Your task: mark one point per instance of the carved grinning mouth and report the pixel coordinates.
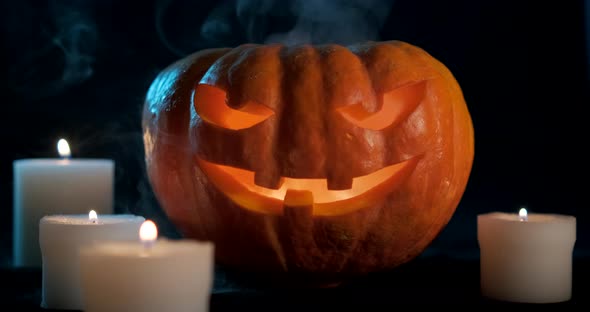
(238, 184)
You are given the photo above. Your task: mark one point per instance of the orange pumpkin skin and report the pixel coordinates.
(262, 149)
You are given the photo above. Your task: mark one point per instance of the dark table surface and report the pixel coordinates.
(426, 280)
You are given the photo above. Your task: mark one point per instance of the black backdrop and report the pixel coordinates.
(80, 70)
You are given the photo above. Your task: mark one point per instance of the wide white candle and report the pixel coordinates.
(526, 258)
(160, 275)
(55, 186)
(61, 237)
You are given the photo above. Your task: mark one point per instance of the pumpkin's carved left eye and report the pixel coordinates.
(396, 106)
(211, 106)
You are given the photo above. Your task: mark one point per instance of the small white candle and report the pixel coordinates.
(150, 275)
(526, 257)
(61, 237)
(55, 186)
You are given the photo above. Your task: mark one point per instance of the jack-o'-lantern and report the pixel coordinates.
(323, 160)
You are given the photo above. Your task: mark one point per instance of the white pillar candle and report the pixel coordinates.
(161, 275)
(526, 258)
(55, 186)
(61, 237)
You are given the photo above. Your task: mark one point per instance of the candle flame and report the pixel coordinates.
(63, 148)
(523, 214)
(92, 216)
(148, 232)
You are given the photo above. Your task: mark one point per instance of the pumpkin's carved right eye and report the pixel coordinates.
(211, 105)
(396, 106)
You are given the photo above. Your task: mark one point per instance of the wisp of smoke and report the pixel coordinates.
(290, 22)
(341, 21)
(57, 50)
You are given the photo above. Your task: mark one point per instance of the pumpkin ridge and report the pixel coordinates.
(273, 234)
(301, 147)
(369, 218)
(279, 113)
(320, 52)
(320, 231)
(296, 226)
(338, 245)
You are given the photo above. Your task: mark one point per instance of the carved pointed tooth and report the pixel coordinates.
(339, 183)
(268, 179)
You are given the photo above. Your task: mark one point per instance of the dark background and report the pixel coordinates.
(80, 70)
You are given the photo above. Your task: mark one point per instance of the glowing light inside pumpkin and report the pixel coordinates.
(63, 148)
(148, 233)
(92, 216)
(211, 106)
(396, 105)
(523, 214)
(239, 185)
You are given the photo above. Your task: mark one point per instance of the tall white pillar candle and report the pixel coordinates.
(154, 276)
(61, 237)
(55, 186)
(526, 258)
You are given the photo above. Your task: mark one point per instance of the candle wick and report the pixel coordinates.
(148, 244)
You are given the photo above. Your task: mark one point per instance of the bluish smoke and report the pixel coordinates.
(57, 47)
(235, 22)
(342, 22)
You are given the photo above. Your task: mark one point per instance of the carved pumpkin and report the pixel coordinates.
(325, 160)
